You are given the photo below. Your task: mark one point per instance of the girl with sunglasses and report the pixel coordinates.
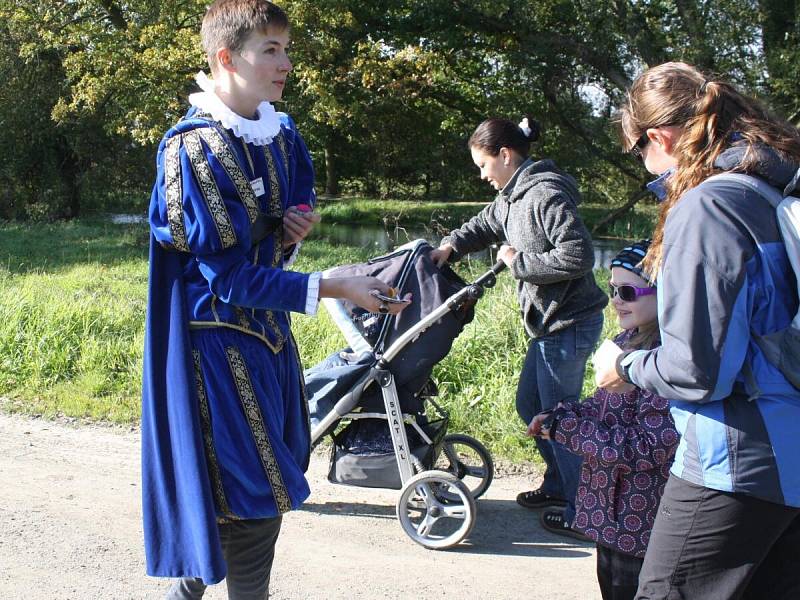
(729, 523)
(626, 439)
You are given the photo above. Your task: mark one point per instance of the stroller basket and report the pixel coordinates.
(362, 453)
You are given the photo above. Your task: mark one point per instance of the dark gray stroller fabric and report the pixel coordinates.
(411, 270)
(329, 380)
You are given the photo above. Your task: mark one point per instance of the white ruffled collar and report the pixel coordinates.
(259, 131)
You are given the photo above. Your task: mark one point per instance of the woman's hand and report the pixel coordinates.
(297, 224)
(507, 254)
(605, 369)
(441, 255)
(359, 290)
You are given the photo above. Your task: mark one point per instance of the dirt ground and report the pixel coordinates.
(70, 528)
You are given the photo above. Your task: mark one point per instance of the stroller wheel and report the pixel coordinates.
(469, 460)
(429, 521)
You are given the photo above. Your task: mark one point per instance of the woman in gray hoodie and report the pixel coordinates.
(549, 252)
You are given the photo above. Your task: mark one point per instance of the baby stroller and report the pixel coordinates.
(372, 397)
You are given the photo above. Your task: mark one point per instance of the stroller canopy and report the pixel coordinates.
(408, 269)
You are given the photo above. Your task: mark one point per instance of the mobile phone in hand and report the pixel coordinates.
(387, 299)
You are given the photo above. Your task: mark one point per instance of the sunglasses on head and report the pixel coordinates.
(629, 293)
(637, 148)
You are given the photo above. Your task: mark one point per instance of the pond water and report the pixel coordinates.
(383, 239)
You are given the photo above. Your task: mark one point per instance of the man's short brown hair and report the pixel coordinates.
(228, 23)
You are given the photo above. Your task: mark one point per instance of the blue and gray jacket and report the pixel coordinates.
(725, 274)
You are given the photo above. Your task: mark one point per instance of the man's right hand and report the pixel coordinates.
(441, 255)
(357, 290)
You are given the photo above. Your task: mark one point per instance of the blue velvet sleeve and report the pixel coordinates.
(202, 206)
(301, 168)
(236, 280)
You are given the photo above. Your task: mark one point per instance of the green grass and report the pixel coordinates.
(72, 307)
(53, 247)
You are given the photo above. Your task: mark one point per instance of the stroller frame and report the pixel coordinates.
(442, 493)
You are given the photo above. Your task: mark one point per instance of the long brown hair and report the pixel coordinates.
(710, 112)
(647, 336)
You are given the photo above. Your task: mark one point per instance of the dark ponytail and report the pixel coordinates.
(495, 133)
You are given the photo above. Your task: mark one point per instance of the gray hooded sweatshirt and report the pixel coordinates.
(537, 213)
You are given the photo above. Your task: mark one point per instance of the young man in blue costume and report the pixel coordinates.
(225, 433)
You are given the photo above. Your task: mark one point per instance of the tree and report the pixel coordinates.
(385, 92)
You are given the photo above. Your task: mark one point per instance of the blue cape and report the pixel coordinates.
(180, 528)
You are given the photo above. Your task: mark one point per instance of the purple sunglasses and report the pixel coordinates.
(629, 293)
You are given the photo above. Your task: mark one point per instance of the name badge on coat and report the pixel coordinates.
(258, 186)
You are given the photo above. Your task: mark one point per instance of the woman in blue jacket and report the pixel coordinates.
(729, 521)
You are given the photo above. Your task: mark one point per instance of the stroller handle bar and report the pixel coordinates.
(473, 291)
(488, 278)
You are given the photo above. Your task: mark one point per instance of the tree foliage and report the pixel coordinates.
(386, 92)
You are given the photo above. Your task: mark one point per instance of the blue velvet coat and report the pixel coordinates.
(225, 430)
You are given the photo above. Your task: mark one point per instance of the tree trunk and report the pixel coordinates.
(69, 166)
(331, 175)
(444, 179)
(619, 212)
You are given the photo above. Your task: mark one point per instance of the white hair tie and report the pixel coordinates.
(525, 127)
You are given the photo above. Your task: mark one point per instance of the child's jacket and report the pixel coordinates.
(627, 442)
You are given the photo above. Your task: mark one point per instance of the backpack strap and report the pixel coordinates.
(792, 185)
(781, 348)
(759, 186)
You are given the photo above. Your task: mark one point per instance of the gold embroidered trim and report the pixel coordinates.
(281, 139)
(241, 317)
(227, 159)
(275, 205)
(275, 209)
(174, 193)
(214, 309)
(209, 324)
(208, 186)
(211, 454)
(256, 421)
(280, 339)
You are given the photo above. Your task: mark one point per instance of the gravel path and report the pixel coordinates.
(70, 528)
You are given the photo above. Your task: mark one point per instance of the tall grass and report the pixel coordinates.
(72, 308)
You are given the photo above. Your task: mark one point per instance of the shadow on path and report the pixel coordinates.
(502, 527)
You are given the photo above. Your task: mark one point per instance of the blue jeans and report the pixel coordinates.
(552, 373)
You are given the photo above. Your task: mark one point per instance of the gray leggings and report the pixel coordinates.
(248, 548)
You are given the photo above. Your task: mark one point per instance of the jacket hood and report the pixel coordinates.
(541, 172)
(770, 165)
